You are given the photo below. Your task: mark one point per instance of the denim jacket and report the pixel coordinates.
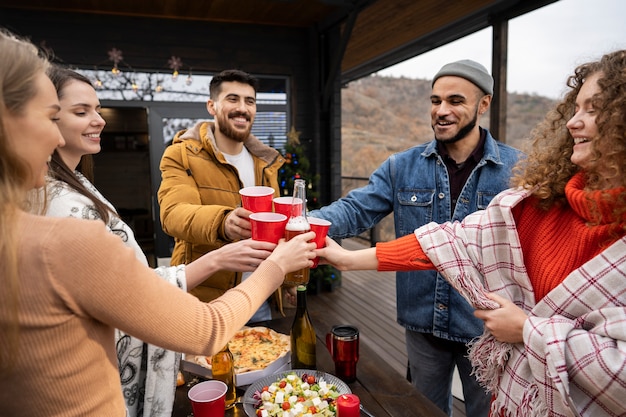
(414, 186)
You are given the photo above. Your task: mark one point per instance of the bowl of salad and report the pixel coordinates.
(294, 393)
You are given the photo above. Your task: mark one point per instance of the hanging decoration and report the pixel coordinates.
(122, 77)
(175, 63)
(116, 56)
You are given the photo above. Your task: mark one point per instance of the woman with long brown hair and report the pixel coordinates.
(147, 372)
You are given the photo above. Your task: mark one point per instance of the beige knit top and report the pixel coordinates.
(78, 282)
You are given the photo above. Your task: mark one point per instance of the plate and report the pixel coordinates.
(191, 364)
(248, 400)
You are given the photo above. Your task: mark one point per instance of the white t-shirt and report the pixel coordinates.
(245, 166)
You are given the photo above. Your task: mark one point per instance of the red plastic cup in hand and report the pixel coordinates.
(257, 198)
(268, 227)
(283, 205)
(320, 227)
(208, 398)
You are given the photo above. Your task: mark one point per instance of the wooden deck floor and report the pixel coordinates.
(367, 299)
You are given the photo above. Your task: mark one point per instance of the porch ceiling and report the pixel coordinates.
(385, 32)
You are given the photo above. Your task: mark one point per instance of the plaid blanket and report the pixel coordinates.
(573, 359)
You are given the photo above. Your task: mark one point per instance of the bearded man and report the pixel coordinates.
(446, 179)
(202, 173)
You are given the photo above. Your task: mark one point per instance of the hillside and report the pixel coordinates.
(385, 115)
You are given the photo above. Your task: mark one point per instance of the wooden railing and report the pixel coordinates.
(372, 235)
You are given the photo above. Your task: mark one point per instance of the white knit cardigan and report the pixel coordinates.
(149, 391)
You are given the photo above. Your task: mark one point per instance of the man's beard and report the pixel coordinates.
(463, 132)
(227, 130)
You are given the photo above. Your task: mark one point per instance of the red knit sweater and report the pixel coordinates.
(554, 242)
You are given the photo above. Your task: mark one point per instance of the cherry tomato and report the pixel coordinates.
(310, 379)
(259, 413)
(265, 389)
(301, 399)
(282, 384)
(286, 405)
(312, 409)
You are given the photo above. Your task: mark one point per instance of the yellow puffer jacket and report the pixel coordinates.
(199, 188)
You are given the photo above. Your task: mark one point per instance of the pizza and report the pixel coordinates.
(253, 349)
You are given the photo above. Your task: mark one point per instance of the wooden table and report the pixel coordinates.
(383, 392)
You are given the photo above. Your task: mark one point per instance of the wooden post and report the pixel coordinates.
(499, 64)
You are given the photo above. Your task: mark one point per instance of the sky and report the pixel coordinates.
(544, 46)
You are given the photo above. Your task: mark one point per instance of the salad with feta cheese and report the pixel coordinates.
(297, 396)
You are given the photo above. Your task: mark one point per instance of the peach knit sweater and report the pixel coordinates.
(77, 283)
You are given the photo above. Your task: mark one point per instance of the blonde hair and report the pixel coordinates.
(548, 167)
(20, 64)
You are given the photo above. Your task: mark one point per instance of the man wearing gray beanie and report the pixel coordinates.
(453, 175)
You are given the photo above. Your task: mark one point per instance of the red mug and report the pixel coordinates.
(343, 344)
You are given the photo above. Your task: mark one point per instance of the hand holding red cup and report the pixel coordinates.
(320, 227)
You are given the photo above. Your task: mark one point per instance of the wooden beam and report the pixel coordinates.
(335, 65)
(499, 64)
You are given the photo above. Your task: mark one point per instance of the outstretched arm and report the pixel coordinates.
(242, 256)
(402, 254)
(347, 260)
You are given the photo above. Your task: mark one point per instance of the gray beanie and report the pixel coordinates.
(471, 71)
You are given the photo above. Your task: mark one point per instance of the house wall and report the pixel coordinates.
(83, 41)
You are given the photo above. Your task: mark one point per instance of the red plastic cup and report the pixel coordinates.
(268, 227)
(257, 198)
(208, 398)
(283, 205)
(320, 227)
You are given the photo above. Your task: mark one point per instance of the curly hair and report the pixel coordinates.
(548, 167)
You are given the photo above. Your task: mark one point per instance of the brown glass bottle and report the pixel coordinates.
(223, 368)
(296, 225)
(302, 335)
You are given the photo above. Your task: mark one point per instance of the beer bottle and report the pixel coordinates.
(302, 335)
(296, 225)
(223, 368)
